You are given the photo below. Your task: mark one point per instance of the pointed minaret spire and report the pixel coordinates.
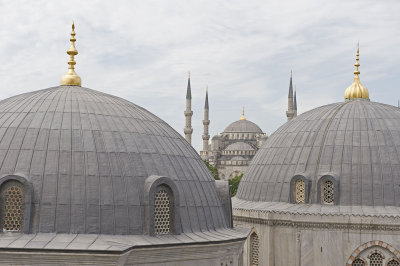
(295, 102)
(189, 89)
(188, 130)
(206, 123)
(290, 112)
(71, 78)
(206, 103)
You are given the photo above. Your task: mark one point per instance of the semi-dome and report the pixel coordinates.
(239, 146)
(90, 160)
(243, 126)
(353, 144)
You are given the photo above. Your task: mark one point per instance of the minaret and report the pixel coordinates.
(206, 123)
(295, 102)
(188, 130)
(290, 112)
(71, 78)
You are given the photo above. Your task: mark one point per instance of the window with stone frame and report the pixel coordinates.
(328, 192)
(358, 262)
(12, 206)
(299, 191)
(393, 262)
(254, 249)
(375, 259)
(162, 212)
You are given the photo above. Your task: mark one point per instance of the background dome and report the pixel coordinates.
(357, 142)
(245, 126)
(87, 155)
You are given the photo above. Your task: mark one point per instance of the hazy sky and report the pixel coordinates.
(243, 51)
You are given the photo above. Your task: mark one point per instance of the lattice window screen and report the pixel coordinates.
(162, 213)
(358, 262)
(300, 191)
(376, 259)
(393, 263)
(254, 249)
(328, 192)
(13, 209)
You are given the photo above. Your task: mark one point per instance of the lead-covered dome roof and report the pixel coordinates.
(357, 143)
(87, 155)
(243, 126)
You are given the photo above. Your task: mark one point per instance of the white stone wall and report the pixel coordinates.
(287, 240)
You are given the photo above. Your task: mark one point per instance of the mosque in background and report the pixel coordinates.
(87, 178)
(232, 150)
(324, 189)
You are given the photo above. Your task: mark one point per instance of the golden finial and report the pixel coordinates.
(71, 78)
(356, 90)
(243, 117)
(189, 74)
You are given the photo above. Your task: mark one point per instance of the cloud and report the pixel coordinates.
(243, 50)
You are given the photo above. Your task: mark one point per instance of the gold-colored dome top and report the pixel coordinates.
(243, 117)
(71, 78)
(356, 90)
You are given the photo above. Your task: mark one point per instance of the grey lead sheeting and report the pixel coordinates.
(356, 141)
(87, 155)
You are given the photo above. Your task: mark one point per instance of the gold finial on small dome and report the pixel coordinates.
(71, 78)
(243, 117)
(356, 90)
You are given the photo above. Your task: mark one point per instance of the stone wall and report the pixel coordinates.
(307, 240)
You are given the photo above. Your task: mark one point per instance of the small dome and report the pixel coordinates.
(88, 156)
(243, 126)
(357, 143)
(239, 146)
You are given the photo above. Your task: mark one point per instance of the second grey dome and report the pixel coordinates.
(356, 142)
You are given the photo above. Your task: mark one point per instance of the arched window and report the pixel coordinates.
(299, 191)
(328, 192)
(358, 262)
(12, 206)
(254, 249)
(393, 262)
(376, 259)
(161, 201)
(162, 212)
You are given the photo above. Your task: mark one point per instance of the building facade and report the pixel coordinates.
(325, 187)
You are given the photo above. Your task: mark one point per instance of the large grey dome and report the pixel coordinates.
(356, 143)
(244, 126)
(87, 155)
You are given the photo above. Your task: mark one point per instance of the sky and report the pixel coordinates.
(242, 50)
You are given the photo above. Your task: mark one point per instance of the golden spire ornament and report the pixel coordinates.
(243, 117)
(71, 78)
(356, 90)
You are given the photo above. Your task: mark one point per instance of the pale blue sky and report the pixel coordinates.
(243, 50)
